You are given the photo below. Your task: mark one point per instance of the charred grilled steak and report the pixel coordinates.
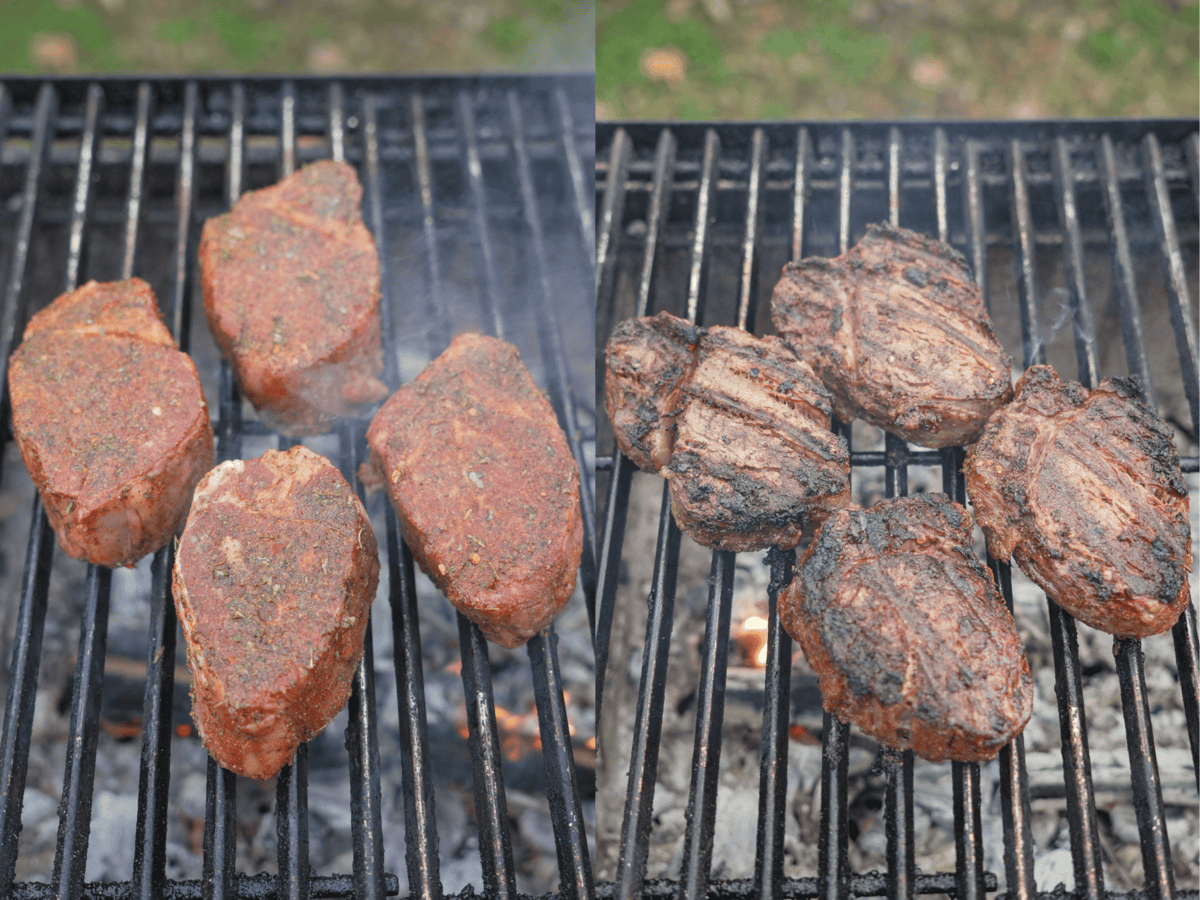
(647, 361)
(111, 421)
(907, 632)
(897, 330)
(1084, 491)
(484, 485)
(754, 459)
(273, 582)
(291, 290)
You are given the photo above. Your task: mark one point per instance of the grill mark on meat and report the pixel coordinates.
(907, 631)
(1084, 492)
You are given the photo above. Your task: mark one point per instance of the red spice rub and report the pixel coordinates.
(110, 420)
(484, 485)
(274, 579)
(291, 288)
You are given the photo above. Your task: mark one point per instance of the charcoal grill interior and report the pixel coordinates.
(476, 190)
(698, 220)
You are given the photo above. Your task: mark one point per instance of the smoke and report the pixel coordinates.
(1057, 310)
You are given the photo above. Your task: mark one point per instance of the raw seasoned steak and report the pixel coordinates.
(907, 632)
(897, 330)
(754, 459)
(274, 578)
(1084, 491)
(486, 491)
(110, 420)
(291, 289)
(647, 360)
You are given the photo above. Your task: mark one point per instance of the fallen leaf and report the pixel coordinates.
(53, 50)
(664, 64)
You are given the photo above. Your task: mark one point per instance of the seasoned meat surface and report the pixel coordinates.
(754, 459)
(907, 632)
(291, 289)
(273, 582)
(110, 420)
(1084, 491)
(484, 485)
(896, 329)
(647, 360)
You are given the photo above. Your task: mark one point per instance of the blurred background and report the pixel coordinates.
(321, 36)
(740, 59)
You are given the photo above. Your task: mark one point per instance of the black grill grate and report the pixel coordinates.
(689, 216)
(475, 188)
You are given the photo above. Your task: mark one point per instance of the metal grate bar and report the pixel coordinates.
(614, 524)
(137, 178)
(800, 191)
(474, 173)
(22, 689)
(710, 715)
(5, 111)
(1131, 315)
(698, 274)
(975, 224)
(420, 828)
(75, 807)
(440, 328)
(845, 182)
(968, 869)
(31, 613)
(150, 851)
(898, 801)
(362, 740)
(220, 838)
(1192, 149)
(941, 155)
(362, 732)
(772, 781)
(1081, 307)
(421, 838)
(337, 122)
(220, 833)
(1031, 329)
(833, 862)
(1183, 634)
(610, 214)
(495, 843)
(566, 811)
(287, 129)
(754, 214)
(43, 134)
(1081, 810)
(1178, 291)
(554, 354)
(647, 729)
(1147, 790)
(566, 127)
(149, 861)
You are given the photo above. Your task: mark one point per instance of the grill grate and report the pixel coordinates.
(474, 188)
(689, 216)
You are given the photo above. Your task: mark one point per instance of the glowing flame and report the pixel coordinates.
(753, 635)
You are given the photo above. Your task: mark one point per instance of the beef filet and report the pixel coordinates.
(647, 360)
(907, 632)
(897, 330)
(291, 289)
(1084, 491)
(754, 459)
(110, 420)
(484, 485)
(274, 578)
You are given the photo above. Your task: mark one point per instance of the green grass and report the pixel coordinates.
(263, 36)
(878, 59)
